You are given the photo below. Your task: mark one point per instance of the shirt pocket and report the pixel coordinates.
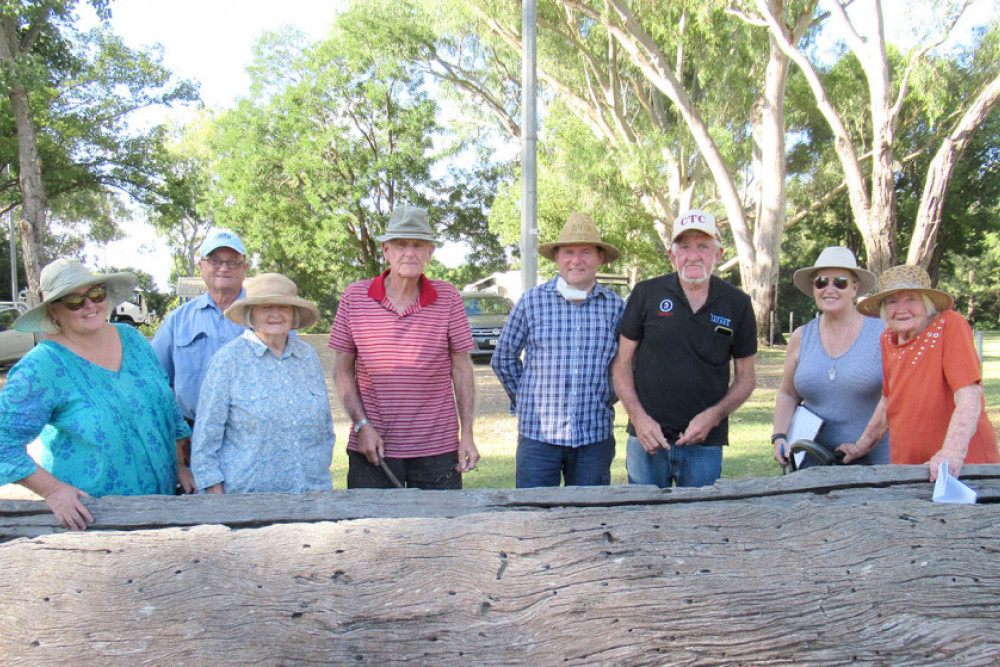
(192, 347)
(714, 344)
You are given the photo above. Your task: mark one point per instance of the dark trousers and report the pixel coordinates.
(422, 472)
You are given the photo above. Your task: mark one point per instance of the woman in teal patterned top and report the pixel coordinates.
(96, 397)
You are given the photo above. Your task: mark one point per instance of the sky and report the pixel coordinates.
(209, 41)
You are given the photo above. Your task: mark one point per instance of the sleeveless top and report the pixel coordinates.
(846, 402)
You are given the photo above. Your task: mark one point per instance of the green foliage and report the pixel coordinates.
(336, 135)
(83, 89)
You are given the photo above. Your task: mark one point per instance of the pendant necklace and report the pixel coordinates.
(832, 373)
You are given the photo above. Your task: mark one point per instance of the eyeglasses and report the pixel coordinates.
(218, 263)
(96, 294)
(840, 282)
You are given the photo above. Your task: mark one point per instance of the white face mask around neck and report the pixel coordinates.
(570, 293)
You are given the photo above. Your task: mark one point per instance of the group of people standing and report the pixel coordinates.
(227, 399)
(906, 390)
(666, 354)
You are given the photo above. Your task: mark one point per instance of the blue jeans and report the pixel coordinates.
(687, 465)
(542, 464)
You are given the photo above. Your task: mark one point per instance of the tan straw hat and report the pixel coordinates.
(579, 230)
(834, 257)
(273, 289)
(68, 275)
(898, 279)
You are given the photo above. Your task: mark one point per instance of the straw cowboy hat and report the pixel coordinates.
(272, 289)
(898, 279)
(579, 230)
(834, 257)
(68, 275)
(408, 222)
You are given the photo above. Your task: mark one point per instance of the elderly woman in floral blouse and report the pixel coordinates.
(264, 422)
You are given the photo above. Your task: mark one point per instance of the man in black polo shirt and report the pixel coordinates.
(678, 334)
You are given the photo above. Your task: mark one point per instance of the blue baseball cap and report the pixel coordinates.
(221, 238)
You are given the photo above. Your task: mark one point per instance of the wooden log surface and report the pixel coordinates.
(821, 567)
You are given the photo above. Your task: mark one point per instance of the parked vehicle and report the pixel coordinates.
(13, 344)
(487, 314)
(133, 311)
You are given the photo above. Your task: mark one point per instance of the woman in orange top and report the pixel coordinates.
(932, 395)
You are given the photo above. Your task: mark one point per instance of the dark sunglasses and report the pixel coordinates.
(96, 294)
(840, 282)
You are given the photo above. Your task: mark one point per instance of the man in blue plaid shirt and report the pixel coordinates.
(568, 331)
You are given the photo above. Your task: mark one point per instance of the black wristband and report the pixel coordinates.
(778, 436)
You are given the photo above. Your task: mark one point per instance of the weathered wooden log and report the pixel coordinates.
(821, 567)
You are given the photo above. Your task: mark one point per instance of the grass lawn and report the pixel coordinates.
(749, 453)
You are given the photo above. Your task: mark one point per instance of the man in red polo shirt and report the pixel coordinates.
(403, 343)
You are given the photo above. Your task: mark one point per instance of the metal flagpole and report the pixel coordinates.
(529, 140)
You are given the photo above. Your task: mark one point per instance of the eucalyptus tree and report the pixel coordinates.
(686, 98)
(868, 154)
(67, 98)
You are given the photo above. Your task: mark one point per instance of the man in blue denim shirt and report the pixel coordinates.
(568, 329)
(193, 332)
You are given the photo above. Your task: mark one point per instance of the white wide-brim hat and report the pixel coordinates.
(64, 276)
(273, 289)
(834, 257)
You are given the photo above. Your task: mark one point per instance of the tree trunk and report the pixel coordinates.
(33, 196)
(939, 173)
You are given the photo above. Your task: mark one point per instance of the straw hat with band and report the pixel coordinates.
(834, 257)
(903, 278)
(64, 276)
(579, 230)
(272, 289)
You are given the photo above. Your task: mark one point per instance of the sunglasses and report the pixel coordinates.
(840, 282)
(96, 294)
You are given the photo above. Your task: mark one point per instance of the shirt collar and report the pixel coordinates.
(260, 348)
(428, 294)
(205, 299)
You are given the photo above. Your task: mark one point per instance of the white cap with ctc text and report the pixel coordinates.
(697, 220)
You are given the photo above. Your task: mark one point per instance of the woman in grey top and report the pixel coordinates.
(834, 363)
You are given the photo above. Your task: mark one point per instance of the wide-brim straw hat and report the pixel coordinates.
(834, 257)
(68, 275)
(273, 289)
(408, 222)
(901, 278)
(579, 229)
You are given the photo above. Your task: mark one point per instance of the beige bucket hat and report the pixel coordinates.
(834, 257)
(898, 279)
(273, 289)
(68, 275)
(579, 229)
